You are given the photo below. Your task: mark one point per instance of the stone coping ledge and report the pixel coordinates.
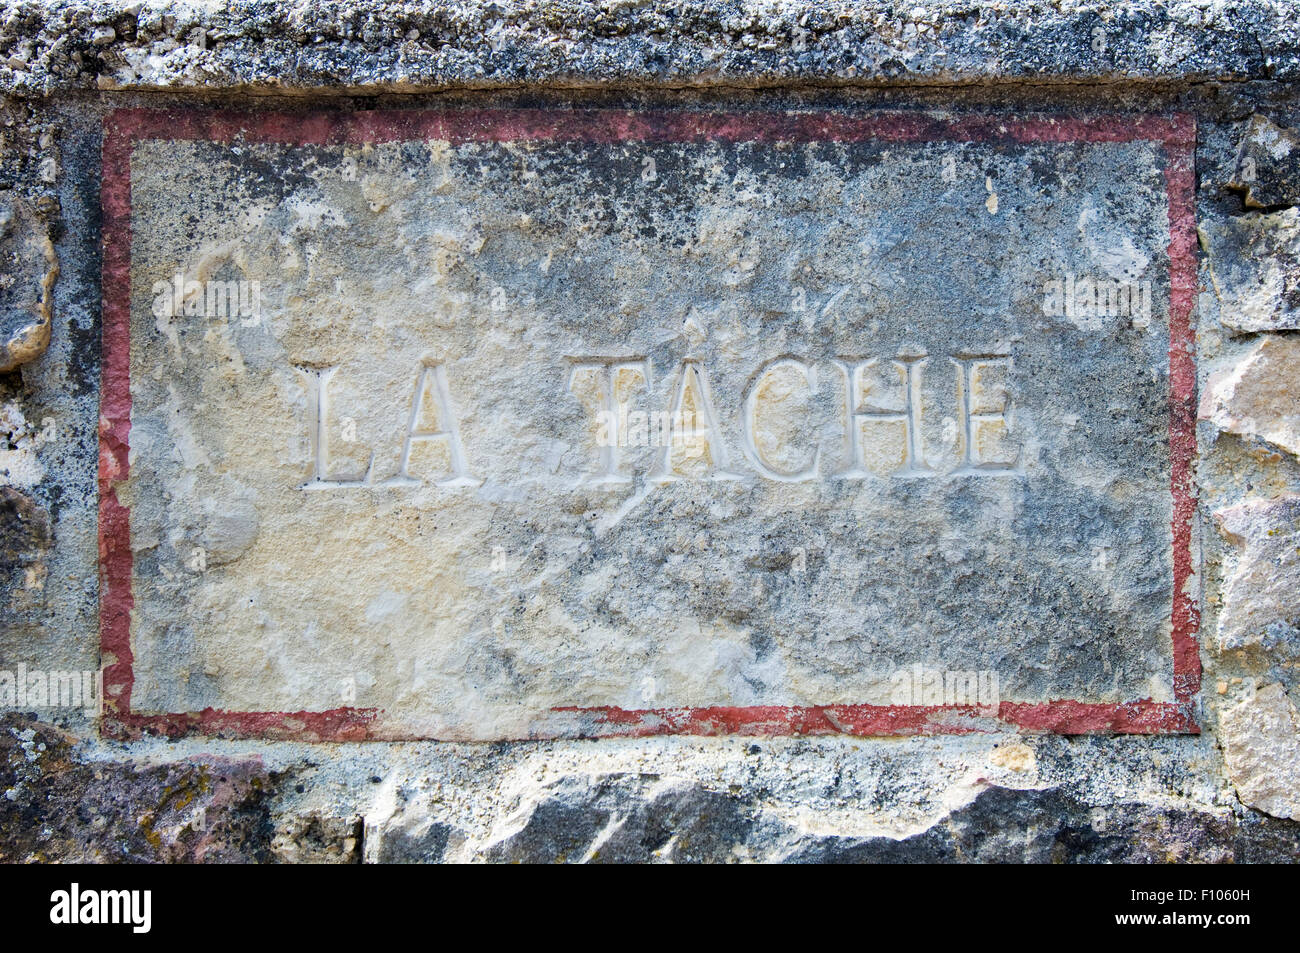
(384, 46)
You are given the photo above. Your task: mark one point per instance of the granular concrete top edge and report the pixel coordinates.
(384, 46)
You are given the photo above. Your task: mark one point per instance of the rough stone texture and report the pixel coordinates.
(421, 45)
(55, 806)
(28, 269)
(1268, 165)
(1254, 269)
(25, 542)
(1261, 744)
(1218, 796)
(315, 837)
(790, 801)
(1004, 825)
(1256, 398)
(1260, 602)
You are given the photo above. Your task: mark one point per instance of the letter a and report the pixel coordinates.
(449, 431)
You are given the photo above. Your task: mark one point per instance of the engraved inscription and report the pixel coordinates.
(493, 426)
(688, 433)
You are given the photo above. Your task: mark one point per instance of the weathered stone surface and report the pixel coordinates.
(1004, 825)
(1268, 165)
(1261, 603)
(766, 802)
(638, 420)
(1015, 794)
(428, 45)
(57, 807)
(584, 820)
(630, 818)
(21, 440)
(1256, 397)
(25, 542)
(402, 829)
(316, 837)
(28, 270)
(1261, 746)
(1254, 269)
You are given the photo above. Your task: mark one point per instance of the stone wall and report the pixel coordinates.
(1213, 776)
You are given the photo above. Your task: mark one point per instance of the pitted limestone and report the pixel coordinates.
(491, 429)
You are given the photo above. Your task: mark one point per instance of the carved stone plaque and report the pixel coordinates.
(499, 424)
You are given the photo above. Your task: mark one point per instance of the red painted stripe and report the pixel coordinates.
(337, 724)
(1059, 717)
(116, 600)
(1180, 184)
(125, 127)
(615, 126)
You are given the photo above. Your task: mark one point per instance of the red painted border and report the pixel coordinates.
(1176, 134)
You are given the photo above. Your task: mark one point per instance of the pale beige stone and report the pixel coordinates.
(1261, 746)
(1014, 757)
(1260, 591)
(1256, 397)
